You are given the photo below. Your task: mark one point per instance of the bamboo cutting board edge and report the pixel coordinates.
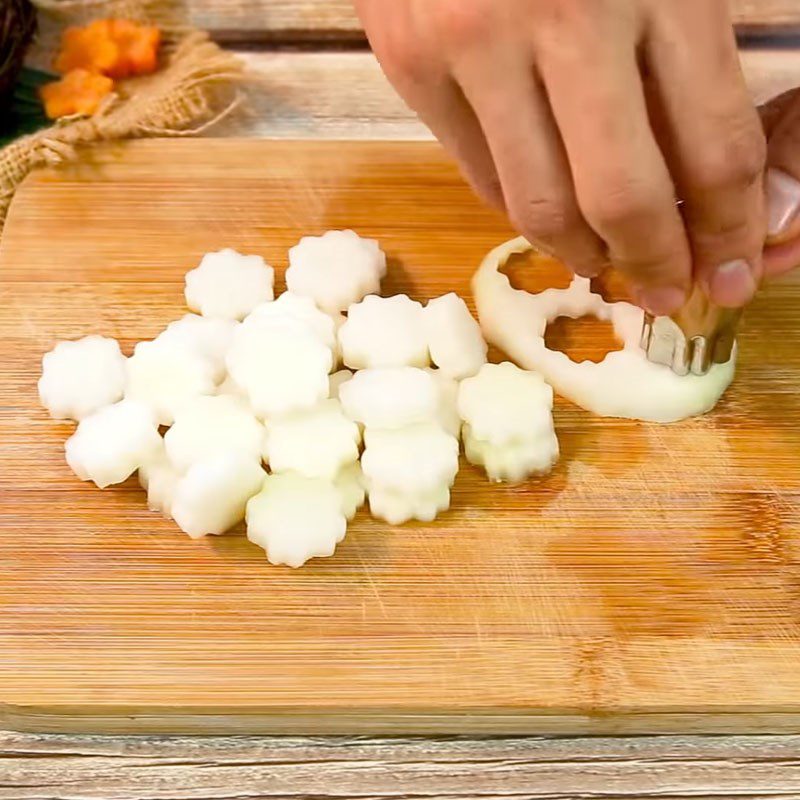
(422, 722)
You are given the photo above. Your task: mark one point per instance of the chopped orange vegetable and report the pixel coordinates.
(118, 48)
(78, 92)
(91, 48)
(137, 48)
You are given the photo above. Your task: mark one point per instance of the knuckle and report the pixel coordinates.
(736, 159)
(707, 236)
(658, 265)
(462, 24)
(564, 28)
(402, 58)
(566, 13)
(623, 204)
(543, 219)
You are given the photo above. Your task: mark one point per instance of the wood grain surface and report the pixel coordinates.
(649, 584)
(328, 95)
(236, 20)
(336, 95)
(215, 768)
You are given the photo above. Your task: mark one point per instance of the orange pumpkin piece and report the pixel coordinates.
(78, 92)
(137, 47)
(89, 48)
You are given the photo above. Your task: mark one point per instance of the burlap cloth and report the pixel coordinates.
(197, 86)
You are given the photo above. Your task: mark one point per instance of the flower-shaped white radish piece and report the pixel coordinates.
(280, 368)
(447, 414)
(351, 485)
(211, 497)
(339, 319)
(390, 398)
(165, 376)
(503, 403)
(111, 444)
(384, 332)
(514, 461)
(159, 479)
(337, 380)
(295, 518)
(206, 426)
(228, 284)
(454, 337)
(336, 269)
(299, 310)
(317, 442)
(229, 388)
(82, 376)
(398, 507)
(412, 460)
(210, 337)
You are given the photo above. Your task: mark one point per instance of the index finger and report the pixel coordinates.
(621, 179)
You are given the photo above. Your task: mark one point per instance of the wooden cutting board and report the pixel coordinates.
(651, 583)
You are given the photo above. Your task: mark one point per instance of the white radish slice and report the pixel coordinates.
(281, 369)
(229, 388)
(337, 380)
(411, 460)
(351, 485)
(625, 384)
(207, 426)
(111, 444)
(504, 403)
(159, 479)
(209, 337)
(316, 443)
(295, 518)
(82, 376)
(228, 284)
(455, 340)
(390, 398)
(165, 376)
(294, 308)
(513, 461)
(378, 256)
(211, 497)
(339, 319)
(384, 332)
(397, 508)
(336, 269)
(447, 414)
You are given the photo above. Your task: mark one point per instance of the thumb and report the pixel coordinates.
(783, 173)
(783, 191)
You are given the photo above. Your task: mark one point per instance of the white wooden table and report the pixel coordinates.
(313, 77)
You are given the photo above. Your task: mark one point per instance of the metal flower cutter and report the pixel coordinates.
(691, 341)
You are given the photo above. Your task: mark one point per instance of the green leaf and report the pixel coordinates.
(26, 113)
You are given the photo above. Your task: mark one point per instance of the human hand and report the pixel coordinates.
(585, 119)
(781, 119)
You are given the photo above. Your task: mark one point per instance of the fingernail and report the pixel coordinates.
(732, 284)
(783, 201)
(662, 300)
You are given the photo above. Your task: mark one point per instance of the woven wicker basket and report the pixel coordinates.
(17, 26)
